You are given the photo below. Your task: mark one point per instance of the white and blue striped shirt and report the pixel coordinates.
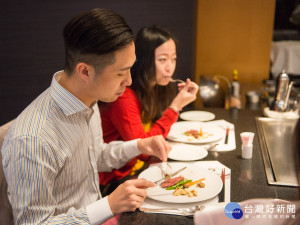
(51, 158)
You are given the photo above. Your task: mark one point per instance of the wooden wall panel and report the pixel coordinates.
(234, 34)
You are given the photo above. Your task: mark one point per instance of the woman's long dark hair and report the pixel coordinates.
(154, 98)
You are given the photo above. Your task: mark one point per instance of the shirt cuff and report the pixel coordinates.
(130, 149)
(99, 211)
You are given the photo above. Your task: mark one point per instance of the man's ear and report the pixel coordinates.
(84, 70)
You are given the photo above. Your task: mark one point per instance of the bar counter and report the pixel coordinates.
(248, 178)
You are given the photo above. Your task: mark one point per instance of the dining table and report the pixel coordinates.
(242, 187)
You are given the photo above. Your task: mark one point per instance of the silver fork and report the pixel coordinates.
(187, 211)
(176, 80)
(211, 147)
(166, 169)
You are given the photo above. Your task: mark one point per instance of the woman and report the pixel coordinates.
(150, 106)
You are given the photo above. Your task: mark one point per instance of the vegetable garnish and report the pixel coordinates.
(181, 183)
(191, 183)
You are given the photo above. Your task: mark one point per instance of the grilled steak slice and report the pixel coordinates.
(172, 181)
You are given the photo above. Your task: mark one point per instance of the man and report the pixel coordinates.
(54, 150)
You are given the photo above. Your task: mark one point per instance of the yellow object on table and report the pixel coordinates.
(137, 166)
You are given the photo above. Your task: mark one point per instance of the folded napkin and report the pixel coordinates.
(221, 146)
(281, 115)
(215, 166)
(153, 204)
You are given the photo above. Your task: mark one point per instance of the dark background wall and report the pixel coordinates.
(283, 11)
(31, 44)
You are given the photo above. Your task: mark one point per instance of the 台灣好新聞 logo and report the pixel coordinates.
(233, 210)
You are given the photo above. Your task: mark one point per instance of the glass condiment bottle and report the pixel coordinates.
(235, 91)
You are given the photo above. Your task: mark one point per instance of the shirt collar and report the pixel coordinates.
(65, 100)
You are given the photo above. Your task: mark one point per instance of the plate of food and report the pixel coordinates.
(187, 152)
(193, 184)
(195, 132)
(197, 116)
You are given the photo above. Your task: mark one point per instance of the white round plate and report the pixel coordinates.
(213, 183)
(186, 152)
(280, 115)
(197, 116)
(179, 128)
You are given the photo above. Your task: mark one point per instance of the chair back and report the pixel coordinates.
(6, 215)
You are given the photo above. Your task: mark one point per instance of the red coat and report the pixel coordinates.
(121, 120)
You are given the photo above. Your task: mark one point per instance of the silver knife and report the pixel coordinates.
(171, 175)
